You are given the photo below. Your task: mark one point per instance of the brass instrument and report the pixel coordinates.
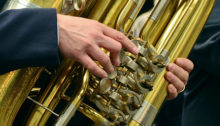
(134, 93)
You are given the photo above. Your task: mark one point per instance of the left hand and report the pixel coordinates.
(177, 75)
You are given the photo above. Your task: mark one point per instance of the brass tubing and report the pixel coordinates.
(95, 116)
(158, 20)
(198, 14)
(99, 9)
(45, 4)
(200, 22)
(74, 104)
(14, 88)
(195, 15)
(114, 12)
(15, 4)
(74, 12)
(170, 38)
(130, 21)
(49, 97)
(124, 16)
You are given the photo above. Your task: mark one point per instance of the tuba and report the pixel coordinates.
(133, 94)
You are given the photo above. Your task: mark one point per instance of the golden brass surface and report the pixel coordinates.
(100, 9)
(52, 94)
(125, 14)
(14, 87)
(115, 10)
(93, 115)
(133, 15)
(178, 37)
(134, 123)
(134, 93)
(74, 104)
(158, 20)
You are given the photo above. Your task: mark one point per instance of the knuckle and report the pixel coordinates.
(171, 67)
(96, 23)
(105, 60)
(91, 67)
(170, 77)
(120, 37)
(97, 71)
(118, 47)
(87, 44)
(96, 36)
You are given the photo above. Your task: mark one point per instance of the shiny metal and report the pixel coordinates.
(160, 8)
(100, 8)
(134, 93)
(36, 102)
(125, 15)
(55, 90)
(76, 5)
(19, 4)
(74, 104)
(94, 115)
(142, 115)
(64, 119)
(152, 28)
(69, 6)
(14, 88)
(179, 36)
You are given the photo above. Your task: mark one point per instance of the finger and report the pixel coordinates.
(171, 78)
(120, 37)
(182, 74)
(186, 64)
(172, 92)
(115, 58)
(96, 53)
(92, 67)
(113, 47)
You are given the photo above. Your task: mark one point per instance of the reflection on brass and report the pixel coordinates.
(74, 104)
(135, 91)
(19, 4)
(14, 88)
(142, 117)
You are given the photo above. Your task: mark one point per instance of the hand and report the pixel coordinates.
(81, 39)
(177, 76)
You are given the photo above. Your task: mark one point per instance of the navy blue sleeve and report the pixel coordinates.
(206, 52)
(28, 37)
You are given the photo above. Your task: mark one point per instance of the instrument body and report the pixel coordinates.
(134, 93)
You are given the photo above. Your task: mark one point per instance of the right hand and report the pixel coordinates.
(81, 39)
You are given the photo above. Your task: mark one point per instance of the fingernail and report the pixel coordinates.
(135, 49)
(105, 75)
(112, 70)
(118, 62)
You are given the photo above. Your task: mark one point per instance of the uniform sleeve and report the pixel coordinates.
(28, 37)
